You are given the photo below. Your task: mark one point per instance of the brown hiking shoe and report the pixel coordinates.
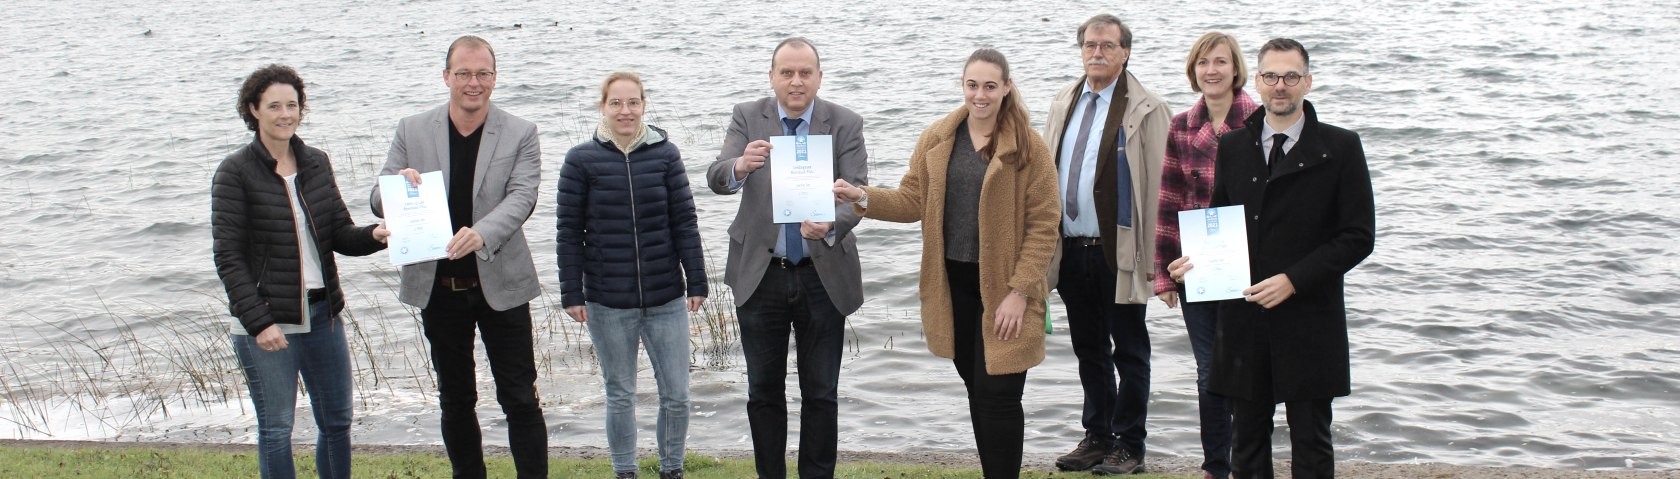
(1119, 462)
(1089, 453)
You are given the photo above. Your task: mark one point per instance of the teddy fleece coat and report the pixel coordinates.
(1020, 211)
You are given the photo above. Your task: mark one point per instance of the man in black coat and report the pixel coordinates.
(1306, 197)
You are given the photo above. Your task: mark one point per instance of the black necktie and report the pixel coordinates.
(790, 232)
(1277, 150)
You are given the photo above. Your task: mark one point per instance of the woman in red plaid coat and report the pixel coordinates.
(1216, 70)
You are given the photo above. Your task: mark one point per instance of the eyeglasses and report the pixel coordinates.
(1105, 46)
(483, 76)
(1289, 79)
(617, 104)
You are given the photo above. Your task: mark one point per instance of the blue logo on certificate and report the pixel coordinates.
(1212, 217)
(412, 190)
(801, 147)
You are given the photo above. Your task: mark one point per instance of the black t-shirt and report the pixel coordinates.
(463, 163)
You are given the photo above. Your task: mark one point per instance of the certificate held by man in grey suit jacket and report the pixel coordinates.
(509, 155)
(753, 234)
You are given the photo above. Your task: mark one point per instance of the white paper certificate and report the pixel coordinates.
(418, 217)
(1216, 240)
(802, 178)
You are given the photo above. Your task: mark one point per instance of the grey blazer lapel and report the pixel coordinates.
(440, 145)
(771, 125)
(487, 144)
(820, 118)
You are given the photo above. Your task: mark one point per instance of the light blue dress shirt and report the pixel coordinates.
(1086, 224)
(735, 184)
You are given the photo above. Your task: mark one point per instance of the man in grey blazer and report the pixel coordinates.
(799, 278)
(491, 163)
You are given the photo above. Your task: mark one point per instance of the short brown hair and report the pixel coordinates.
(251, 92)
(1105, 19)
(1206, 44)
(1286, 45)
(468, 41)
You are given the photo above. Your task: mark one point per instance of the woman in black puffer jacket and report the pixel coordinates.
(276, 218)
(631, 265)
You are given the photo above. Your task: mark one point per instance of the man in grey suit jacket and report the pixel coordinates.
(799, 277)
(491, 164)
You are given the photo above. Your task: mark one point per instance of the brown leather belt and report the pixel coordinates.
(785, 264)
(457, 284)
(1085, 241)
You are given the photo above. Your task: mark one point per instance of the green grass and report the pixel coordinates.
(142, 463)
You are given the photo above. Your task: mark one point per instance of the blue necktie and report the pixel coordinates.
(790, 231)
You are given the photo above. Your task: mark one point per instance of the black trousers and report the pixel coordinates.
(994, 402)
(792, 301)
(450, 320)
(1108, 339)
(1309, 438)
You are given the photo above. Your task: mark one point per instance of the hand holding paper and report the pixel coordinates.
(417, 215)
(802, 178)
(1218, 239)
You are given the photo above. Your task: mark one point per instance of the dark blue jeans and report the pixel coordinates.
(449, 320)
(792, 300)
(1201, 320)
(322, 358)
(1107, 337)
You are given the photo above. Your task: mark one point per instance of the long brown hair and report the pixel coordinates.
(1012, 114)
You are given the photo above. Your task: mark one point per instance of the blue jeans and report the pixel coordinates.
(322, 358)
(792, 300)
(449, 321)
(1107, 338)
(663, 330)
(1201, 320)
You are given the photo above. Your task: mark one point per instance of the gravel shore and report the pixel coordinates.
(1183, 466)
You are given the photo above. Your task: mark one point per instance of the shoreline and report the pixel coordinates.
(1181, 466)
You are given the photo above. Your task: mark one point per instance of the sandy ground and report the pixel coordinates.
(1172, 466)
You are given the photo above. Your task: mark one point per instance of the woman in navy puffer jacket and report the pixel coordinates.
(631, 265)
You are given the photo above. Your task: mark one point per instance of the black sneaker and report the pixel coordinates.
(1119, 462)
(1089, 453)
(671, 474)
(625, 475)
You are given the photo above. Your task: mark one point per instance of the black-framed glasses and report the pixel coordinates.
(483, 76)
(1289, 79)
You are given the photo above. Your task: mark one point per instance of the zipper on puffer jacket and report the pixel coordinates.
(309, 220)
(635, 231)
(303, 290)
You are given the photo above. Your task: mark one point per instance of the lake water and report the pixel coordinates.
(1520, 307)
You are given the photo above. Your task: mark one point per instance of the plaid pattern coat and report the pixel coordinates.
(1187, 175)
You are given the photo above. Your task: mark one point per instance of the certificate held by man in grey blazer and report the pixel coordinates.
(802, 169)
